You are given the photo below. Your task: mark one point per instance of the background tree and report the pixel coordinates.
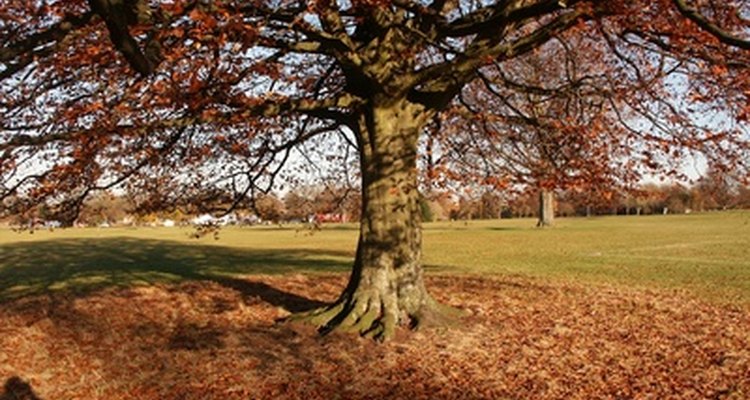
(297, 205)
(546, 124)
(332, 200)
(743, 197)
(717, 189)
(181, 100)
(554, 120)
(103, 208)
(269, 208)
(485, 205)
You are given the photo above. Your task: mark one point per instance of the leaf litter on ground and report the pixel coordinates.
(521, 338)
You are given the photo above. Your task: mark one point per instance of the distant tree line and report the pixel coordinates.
(302, 205)
(714, 191)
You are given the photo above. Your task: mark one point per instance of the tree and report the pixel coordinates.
(558, 124)
(677, 198)
(555, 121)
(297, 205)
(104, 208)
(743, 197)
(717, 188)
(269, 208)
(182, 98)
(486, 205)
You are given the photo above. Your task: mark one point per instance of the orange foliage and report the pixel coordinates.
(521, 339)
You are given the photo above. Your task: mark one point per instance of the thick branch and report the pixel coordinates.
(442, 81)
(723, 36)
(501, 13)
(273, 107)
(115, 15)
(332, 40)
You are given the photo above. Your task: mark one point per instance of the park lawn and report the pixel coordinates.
(616, 307)
(705, 254)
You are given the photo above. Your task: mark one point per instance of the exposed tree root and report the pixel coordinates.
(436, 314)
(377, 317)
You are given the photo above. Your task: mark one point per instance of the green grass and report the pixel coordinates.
(706, 254)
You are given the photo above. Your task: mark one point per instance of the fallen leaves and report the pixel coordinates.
(523, 339)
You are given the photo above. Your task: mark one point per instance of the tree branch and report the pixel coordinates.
(25, 50)
(723, 36)
(273, 107)
(55, 33)
(115, 16)
(500, 14)
(442, 81)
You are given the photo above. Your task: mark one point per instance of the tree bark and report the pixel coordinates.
(546, 208)
(386, 287)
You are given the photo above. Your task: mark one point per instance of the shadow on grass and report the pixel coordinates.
(80, 266)
(506, 228)
(40, 282)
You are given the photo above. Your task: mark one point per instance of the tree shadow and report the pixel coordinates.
(269, 294)
(80, 266)
(503, 228)
(195, 337)
(16, 388)
(45, 284)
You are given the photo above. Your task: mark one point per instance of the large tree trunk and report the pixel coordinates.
(546, 208)
(386, 287)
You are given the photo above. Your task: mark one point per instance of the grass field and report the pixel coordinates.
(617, 307)
(706, 254)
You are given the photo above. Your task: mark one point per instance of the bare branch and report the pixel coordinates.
(17, 55)
(442, 81)
(500, 14)
(723, 36)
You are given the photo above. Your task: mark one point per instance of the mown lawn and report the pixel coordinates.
(618, 307)
(706, 254)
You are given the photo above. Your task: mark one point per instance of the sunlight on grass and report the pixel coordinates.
(704, 253)
(707, 254)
